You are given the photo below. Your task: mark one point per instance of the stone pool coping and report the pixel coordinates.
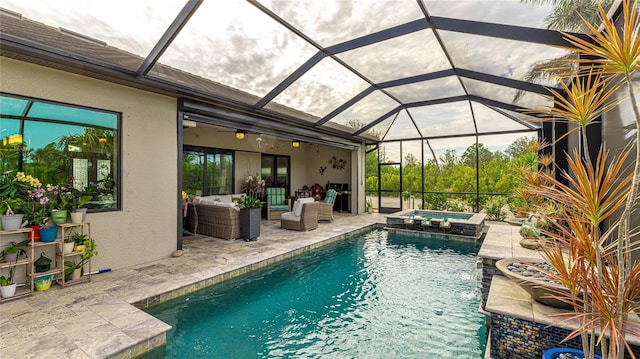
(103, 318)
(475, 219)
(503, 297)
(473, 226)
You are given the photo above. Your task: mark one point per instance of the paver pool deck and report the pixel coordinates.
(103, 319)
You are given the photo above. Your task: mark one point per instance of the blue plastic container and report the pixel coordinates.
(554, 352)
(48, 234)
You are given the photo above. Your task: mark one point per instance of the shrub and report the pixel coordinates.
(456, 205)
(435, 201)
(493, 208)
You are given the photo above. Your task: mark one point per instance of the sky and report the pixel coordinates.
(234, 43)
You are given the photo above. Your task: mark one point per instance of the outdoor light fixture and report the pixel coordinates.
(15, 140)
(295, 144)
(102, 140)
(240, 135)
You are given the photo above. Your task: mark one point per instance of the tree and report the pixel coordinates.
(449, 159)
(520, 147)
(411, 174)
(469, 156)
(566, 16)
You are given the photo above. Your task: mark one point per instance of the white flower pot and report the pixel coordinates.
(68, 247)
(13, 222)
(76, 274)
(8, 290)
(76, 217)
(84, 213)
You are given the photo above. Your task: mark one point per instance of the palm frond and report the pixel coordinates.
(613, 53)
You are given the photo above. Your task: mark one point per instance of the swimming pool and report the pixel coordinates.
(376, 295)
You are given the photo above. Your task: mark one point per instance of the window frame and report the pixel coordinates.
(214, 151)
(118, 160)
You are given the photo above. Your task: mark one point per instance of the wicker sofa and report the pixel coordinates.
(214, 216)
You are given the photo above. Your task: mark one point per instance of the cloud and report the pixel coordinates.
(234, 43)
(332, 22)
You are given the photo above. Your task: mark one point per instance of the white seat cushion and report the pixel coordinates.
(289, 216)
(226, 198)
(297, 207)
(227, 205)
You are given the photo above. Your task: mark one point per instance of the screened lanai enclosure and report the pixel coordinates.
(440, 92)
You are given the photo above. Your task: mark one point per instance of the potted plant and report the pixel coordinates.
(14, 250)
(73, 270)
(406, 195)
(79, 241)
(79, 200)
(595, 265)
(250, 215)
(12, 193)
(7, 286)
(369, 205)
(69, 244)
(253, 186)
(62, 203)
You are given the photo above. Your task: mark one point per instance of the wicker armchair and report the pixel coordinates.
(214, 221)
(306, 221)
(277, 203)
(325, 208)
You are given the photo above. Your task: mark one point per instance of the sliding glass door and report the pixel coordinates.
(276, 171)
(207, 171)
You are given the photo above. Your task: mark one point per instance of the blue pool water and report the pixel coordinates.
(377, 295)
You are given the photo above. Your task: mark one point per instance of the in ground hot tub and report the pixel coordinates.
(458, 223)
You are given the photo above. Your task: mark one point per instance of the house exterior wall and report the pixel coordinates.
(145, 228)
(618, 131)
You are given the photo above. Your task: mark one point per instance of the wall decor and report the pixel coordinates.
(322, 169)
(338, 164)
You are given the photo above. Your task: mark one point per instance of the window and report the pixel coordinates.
(207, 171)
(63, 144)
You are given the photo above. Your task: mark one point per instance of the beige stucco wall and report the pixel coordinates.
(145, 229)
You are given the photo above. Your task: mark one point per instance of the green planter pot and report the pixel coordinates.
(59, 216)
(250, 223)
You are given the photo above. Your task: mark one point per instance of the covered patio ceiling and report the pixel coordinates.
(399, 69)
